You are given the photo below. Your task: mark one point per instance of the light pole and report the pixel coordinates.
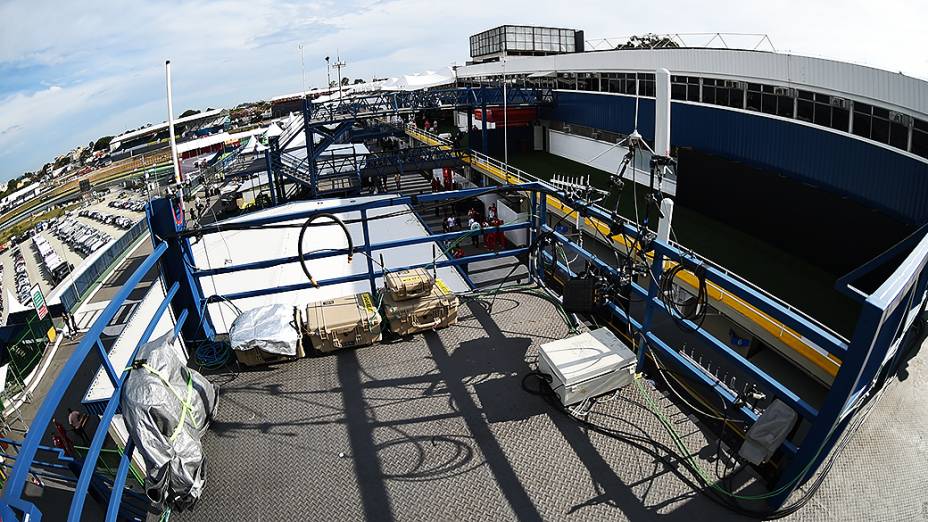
(338, 67)
(505, 123)
(302, 69)
(328, 75)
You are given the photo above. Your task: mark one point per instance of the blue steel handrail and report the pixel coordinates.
(877, 333)
(386, 103)
(13, 490)
(525, 176)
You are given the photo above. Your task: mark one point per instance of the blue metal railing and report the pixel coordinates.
(871, 353)
(13, 490)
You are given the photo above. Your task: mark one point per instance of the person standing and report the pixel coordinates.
(65, 442)
(78, 421)
(397, 178)
(475, 232)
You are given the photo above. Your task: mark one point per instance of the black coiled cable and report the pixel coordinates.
(303, 230)
(698, 314)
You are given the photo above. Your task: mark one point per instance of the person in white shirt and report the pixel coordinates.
(475, 232)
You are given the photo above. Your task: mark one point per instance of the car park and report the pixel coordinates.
(80, 237)
(22, 278)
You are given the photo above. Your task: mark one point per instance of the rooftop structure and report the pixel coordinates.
(117, 142)
(523, 40)
(729, 400)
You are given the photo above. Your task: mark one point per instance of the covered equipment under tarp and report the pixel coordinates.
(270, 328)
(167, 408)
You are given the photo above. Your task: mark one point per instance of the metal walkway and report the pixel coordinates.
(438, 427)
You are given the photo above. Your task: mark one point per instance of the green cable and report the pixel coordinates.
(698, 469)
(528, 288)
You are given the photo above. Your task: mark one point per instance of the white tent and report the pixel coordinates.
(273, 130)
(412, 82)
(253, 146)
(13, 304)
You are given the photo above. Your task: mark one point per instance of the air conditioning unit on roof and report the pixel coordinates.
(784, 91)
(901, 118)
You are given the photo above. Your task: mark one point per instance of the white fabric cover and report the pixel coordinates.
(269, 328)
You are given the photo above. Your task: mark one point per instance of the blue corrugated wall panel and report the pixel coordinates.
(892, 182)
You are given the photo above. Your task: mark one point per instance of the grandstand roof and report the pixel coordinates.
(163, 125)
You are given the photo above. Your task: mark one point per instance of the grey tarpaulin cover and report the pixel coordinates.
(167, 408)
(268, 328)
(768, 433)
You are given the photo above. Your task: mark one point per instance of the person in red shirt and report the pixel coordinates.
(64, 442)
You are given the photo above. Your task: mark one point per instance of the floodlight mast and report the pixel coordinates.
(177, 172)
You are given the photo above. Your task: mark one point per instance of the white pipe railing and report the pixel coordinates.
(743, 41)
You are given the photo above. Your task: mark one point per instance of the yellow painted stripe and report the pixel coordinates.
(788, 336)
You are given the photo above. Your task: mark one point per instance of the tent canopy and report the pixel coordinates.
(253, 146)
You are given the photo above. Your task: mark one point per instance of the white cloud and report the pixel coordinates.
(97, 67)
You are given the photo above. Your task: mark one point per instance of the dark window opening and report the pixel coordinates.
(840, 118)
(879, 130)
(785, 106)
(822, 115)
(804, 110)
(861, 123)
(920, 142)
(899, 135)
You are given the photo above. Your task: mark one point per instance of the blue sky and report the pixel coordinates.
(73, 71)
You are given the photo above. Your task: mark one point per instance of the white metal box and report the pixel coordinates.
(586, 365)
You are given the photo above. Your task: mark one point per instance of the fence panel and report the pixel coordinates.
(72, 295)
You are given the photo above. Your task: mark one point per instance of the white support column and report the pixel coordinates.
(663, 226)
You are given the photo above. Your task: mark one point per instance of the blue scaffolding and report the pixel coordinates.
(888, 312)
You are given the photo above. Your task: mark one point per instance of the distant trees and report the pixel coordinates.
(358, 81)
(188, 112)
(62, 161)
(648, 41)
(102, 143)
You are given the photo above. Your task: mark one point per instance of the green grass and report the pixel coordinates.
(23, 226)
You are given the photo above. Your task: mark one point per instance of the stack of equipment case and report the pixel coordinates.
(415, 301)
(409, 284)
(344, 322)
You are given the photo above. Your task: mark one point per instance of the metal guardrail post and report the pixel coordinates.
(177, 265)
(368, 253)
(533, 231)
(270, 177)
